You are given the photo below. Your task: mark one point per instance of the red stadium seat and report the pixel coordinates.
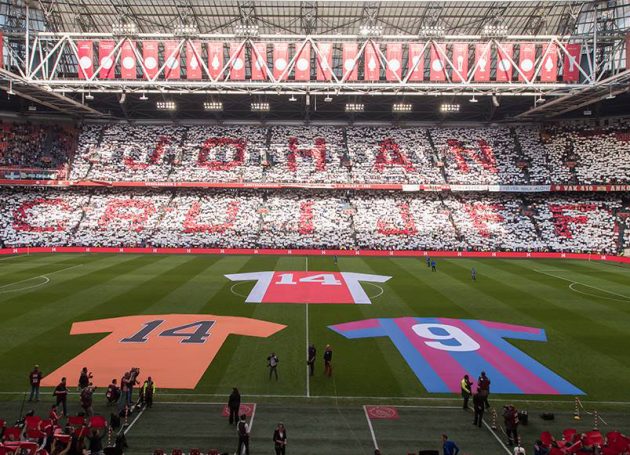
(555, 451)
(76, 420)
(32, 422)
(546, 438)
(12, 434)
(594, 438)
(34, 434)
(213, 452)
(177, 452)
(97, 422)
(569, 434)
(4, 450)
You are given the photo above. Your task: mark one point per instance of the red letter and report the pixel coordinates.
(562, 222)
(20, 216)
(485, 156)
(317, 153)
(191, 225)
(409, 224)
(153, 158)
(390, 154)
(481, 214)
(217, 165)
(117, 210)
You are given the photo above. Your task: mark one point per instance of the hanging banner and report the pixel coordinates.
(437, 72)
(85, 51)
(259, 60)
(215, 59)
(393, 71)
(482, 62)
(415, 62)
(193, 60)
(280, 61)
(504, 65)
(106, 59)
(460, 62)
(526, 61)
(571, 64)
(324, 61)
(237, 55)
(350, 67)
(128, 60)
(150, 57)
(549, 70)
(303, 62)
(371, 62)
(171, 59)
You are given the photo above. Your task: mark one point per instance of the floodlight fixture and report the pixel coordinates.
(213, 106)
(260, 106)
(402, 107)
(166, 105)
(371, 30)
(246, 30)
(432, 31)
(355, 107)
(449, 108)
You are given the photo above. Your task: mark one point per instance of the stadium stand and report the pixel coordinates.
(522, 155)
(303, 219)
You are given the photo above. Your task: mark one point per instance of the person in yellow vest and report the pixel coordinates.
(148, 390)
(466, 386)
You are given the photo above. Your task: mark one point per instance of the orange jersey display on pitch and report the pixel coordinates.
(174, 349)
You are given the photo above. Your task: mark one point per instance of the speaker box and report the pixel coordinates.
(547, 416)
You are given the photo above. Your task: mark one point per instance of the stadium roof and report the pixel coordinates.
(324, 17)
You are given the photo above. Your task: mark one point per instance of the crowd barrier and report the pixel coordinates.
(312, 252)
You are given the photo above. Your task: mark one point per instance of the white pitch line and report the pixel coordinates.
(596, 296)
(369, 422)
(45, 275)
(251, 421)
(134, 421)
(587, 285)
(27, 288)
(496, 437)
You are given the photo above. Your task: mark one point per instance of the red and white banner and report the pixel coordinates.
(215, 59)
(193, 60)
(549, 70)
(438, 62)
(237, 56)
(303, 62)
(504, 64)
(150, 58)
(460, 62)
(106, 59)
(324, 61)
(393, 71)
(483, 54)
(128, 60)
(527, 61)
(280, 61)
(1, 50)
(350, 67)
(85, 52)
(371, 62)
(571, 64)
(415, 63)
(259, 61)
(171, 58)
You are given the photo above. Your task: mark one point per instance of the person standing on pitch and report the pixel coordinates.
(147, 392)
(428, 261)
(35, 378)
(280, 439)
(473, 274)
(449, 447)
(61, 396)
(272, 363)
(478, 407)
(243, 435)
(510, 418)
(234, 403)
(483, 388)
(328, 361)
(466, 387)
(312, 353)
(433, 265)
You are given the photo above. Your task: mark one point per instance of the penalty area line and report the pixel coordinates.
(45, 275)
(133, 422)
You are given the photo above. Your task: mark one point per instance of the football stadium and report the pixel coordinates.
(314, 227)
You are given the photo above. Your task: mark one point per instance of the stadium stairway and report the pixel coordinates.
(518, 148)
(436, 155)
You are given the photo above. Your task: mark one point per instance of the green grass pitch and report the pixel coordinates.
(583, 306)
